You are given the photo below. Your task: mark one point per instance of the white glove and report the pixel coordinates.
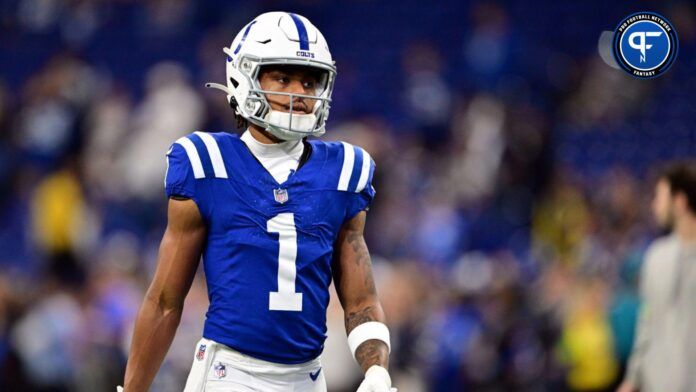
(119, 389)
(376, 380)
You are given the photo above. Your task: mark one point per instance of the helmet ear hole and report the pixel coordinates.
(233, 100)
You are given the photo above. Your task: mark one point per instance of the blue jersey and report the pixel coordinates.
(269, 247)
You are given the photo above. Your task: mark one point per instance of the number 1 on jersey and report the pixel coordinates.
(285, 298)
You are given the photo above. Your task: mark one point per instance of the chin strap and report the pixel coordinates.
(300, 123)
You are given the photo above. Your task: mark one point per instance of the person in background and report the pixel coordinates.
(664, 351)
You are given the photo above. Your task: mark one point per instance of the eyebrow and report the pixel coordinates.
(303, 75)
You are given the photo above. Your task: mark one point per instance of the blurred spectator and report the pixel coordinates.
(665, 349)
(170, 109)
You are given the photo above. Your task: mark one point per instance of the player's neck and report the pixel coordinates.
(685, 229)
(263, 136)
(263, 148)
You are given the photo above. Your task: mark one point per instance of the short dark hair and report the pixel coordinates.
(681, 177)
(242, 122)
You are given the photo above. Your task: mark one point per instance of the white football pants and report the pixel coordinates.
(218, 368)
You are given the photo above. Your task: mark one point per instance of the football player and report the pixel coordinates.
(275, 217)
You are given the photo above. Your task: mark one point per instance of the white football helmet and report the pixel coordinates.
(278, 38)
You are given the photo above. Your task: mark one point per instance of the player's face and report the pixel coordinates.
(663, 205)
(290, 79)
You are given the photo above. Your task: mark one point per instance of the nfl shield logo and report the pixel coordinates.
(281, 195)
(201, 352)
(220, 370)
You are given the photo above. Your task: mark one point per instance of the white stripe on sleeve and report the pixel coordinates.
(193, 157)
(364, 172)
(347, 170)
(166, 172)
(214, 153)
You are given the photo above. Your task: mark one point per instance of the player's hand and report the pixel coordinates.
(376, 380)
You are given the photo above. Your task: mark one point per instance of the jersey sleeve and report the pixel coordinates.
(364, 194)
(179, 179)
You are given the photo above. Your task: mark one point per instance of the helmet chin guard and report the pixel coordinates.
(278, 38)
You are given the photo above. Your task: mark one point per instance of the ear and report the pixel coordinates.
(681, 203)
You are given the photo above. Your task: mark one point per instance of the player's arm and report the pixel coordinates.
(160, 313)
(364, 318)
(631, 382)
(636, 362)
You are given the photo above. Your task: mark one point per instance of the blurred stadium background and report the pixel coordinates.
(513, 180)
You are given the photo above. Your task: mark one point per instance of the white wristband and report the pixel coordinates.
(368, 331)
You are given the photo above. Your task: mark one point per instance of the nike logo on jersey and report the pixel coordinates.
(314, 376)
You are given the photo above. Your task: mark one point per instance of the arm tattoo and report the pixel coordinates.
(354, 319)
(362, 260)
(371, 352)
